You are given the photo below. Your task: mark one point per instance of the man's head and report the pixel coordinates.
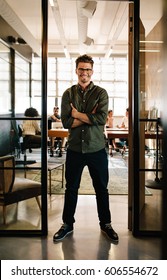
(86, 59)
(127, 111)
(84, 69)
(56, 111)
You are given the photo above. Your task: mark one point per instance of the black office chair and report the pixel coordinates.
(26, 144)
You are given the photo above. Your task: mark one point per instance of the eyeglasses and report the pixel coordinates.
(88, 70)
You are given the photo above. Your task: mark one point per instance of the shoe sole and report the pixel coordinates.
(57, 240)
(113, 240)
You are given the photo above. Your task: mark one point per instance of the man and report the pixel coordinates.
(84, 111)
(55, 118)
(125, 120)
(124, 125)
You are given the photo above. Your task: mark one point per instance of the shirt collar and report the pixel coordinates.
(89, 87)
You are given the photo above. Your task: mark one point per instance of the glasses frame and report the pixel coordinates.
(87, 70)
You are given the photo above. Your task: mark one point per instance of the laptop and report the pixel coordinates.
(57, 125)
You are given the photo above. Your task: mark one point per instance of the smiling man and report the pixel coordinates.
(84, 112)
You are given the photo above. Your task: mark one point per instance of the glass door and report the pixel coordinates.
(23, 194)
(148, 128)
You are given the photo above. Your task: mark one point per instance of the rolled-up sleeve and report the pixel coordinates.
(100, 116)
(66, 118)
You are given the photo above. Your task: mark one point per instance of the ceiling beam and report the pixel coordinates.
(14, 21)
(57, 16)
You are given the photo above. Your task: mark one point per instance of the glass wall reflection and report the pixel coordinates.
(20, 155)
(151, 102)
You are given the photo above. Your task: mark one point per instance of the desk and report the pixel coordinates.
(59, 132)
(124, 133)
(153, 135)
(116, 133)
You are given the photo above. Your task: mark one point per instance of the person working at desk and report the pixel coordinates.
(124, 125)
(56, 120)
(55, 117)
(110, 124)
(31, 130)
(84, 112)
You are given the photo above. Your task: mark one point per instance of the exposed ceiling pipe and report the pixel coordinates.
(83, 23)
(122, 21)
(58, 20)
(13, 20)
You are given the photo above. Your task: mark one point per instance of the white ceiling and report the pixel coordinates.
(68, 27)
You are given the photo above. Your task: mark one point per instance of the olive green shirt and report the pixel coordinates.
(87, 138)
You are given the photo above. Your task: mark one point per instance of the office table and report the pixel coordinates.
(116, 133)
(58, 132)
(124, 133)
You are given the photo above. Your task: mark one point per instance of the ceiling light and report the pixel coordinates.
(150, 51)
(152, 42)
(66, 53)
(108, 53)
(51, 3)
(15, 40)
(89, 9)
(88, 41)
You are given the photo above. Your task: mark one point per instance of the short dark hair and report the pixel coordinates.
(84, 58)
(31, 112)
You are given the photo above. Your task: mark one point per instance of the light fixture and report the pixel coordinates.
(88, 41)
(152, 42)
(150, 51)
(51, 3)
(66, 53)
(89, 9)
(108, 53)
(16, 40)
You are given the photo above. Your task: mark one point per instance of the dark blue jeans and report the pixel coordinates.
(98, 168)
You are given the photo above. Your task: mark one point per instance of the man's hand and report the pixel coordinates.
(74, 112)
(94, 110)
(82, 117)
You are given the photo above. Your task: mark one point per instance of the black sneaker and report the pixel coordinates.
(108, 230)
(62, 232)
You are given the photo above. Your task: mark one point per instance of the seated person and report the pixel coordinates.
(31, 130)
(55, 118)
(124, 124)
(109, 124)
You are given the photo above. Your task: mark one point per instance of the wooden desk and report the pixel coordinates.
(116, 133)
(153, 135)
(59, 132)
(123, 133)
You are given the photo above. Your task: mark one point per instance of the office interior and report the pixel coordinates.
(38, 48)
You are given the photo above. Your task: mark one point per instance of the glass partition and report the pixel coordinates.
(22, 156)
(150, 108)
(5, 90)
(22, 84)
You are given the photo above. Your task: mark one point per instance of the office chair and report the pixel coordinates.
(25, 145)
(14, 189)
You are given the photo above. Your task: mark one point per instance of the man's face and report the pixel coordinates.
(56, 111)
(84, 72)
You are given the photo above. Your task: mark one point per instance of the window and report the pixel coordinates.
(22, 90)
(5, 92)
(112, 74)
